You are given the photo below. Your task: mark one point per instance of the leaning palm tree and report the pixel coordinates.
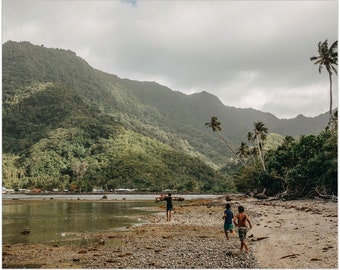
(327, 57)
(260, 134)
(215, 125)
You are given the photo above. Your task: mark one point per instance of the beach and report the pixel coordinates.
(285, 234)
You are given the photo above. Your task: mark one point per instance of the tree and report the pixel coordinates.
(215, 125)
(260, 134)
(79, 169)
(327, 57)
(243, 151)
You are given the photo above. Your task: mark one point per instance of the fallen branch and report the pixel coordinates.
(290, 256)
(261, 238)
(262, 195)
(257, 238)
(326, 197)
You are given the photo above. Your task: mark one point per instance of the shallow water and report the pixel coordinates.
(98, 196)
(55, 221)
(63, 218)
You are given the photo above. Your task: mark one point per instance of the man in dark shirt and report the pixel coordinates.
(169, 207)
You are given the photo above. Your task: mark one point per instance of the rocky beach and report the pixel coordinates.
(285, 234)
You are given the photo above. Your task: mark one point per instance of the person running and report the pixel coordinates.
(240, 221)
(228, 220)
(169, 207)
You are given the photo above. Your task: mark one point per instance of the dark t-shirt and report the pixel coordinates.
(168, 202)
(229, 216)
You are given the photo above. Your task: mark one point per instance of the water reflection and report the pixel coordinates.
(56, 221)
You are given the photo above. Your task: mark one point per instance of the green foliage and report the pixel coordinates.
(125, 159)
(301, 166)
(316, 163)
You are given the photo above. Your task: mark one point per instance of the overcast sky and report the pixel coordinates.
(247, 53)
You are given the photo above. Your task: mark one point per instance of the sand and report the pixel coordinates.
(301, 234)
(291, 234)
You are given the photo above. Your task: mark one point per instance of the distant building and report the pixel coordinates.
(170, 190)
(98, 190)
(125, 190)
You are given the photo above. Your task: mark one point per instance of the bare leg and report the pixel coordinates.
(244, 244)
(226, 234)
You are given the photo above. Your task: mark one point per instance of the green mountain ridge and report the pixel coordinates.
(52, 91)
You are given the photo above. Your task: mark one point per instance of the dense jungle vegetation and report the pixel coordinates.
(303, 167)
(69, 126)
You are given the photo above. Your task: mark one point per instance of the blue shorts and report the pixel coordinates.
(169, 209)
(228, 226)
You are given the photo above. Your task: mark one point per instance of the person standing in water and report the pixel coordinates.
(169, 207)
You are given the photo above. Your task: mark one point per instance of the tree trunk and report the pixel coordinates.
(231, 149)
(260, 152)
(330, 99)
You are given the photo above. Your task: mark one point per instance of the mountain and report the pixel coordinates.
(59, 112)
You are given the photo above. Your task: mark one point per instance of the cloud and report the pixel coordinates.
(131, 2)
(248, 53)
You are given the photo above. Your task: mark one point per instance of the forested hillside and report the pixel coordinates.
(68, 125)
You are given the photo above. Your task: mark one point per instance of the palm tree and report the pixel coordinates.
(250, 137)
(329, 59)
(260, 134)
(288, 140)
(215, 125)
(243, 151)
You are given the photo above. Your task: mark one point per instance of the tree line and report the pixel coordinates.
(296, 168)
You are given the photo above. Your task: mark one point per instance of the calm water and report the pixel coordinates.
(55, 221)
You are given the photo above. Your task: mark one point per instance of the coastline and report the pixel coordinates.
(292, 234)
(99, 196)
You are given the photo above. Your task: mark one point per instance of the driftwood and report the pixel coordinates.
(326, 197)
(290, 256)
(162, 198)
(300, 192)
(262, 195)
(288, 194)
(261, 238)
(257, 238)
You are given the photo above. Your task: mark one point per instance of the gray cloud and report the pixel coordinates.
(248, 53)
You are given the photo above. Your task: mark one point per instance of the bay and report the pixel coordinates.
(65, 222)
(64, 219)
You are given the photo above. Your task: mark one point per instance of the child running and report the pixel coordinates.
(228, 220)
(240, 221)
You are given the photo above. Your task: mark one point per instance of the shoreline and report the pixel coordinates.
(195, 239)
(99, 196)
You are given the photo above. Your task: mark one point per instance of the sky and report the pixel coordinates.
(250, 54)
